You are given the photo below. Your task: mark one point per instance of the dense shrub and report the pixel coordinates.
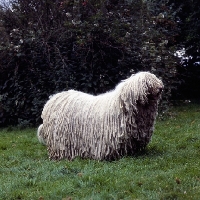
(189, 70)
(88, 46)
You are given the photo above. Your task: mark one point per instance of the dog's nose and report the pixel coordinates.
(160, 90)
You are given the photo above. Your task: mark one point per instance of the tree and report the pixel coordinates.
(188, 17)
(84, 45)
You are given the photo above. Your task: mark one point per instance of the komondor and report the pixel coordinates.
(104, 127)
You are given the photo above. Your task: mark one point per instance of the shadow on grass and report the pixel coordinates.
(151, 151)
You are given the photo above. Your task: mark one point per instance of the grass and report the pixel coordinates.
(168, 169)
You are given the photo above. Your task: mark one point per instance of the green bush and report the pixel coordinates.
(88, 46)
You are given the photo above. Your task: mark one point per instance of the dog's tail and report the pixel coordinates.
(40, 135)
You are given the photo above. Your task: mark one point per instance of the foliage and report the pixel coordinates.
(89, 46)
(188, 17)
(167, 169)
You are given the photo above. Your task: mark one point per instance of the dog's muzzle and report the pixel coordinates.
(156, 94)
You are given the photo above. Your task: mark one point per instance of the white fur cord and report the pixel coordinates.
(103, 127)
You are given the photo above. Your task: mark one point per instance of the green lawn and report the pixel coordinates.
(168, 169)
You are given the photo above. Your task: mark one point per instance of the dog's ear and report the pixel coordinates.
(134, 90)
(127, 102)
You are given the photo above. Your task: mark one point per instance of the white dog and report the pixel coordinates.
(103, 127)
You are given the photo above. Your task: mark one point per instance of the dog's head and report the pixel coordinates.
(155, 87)
(143, 88)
